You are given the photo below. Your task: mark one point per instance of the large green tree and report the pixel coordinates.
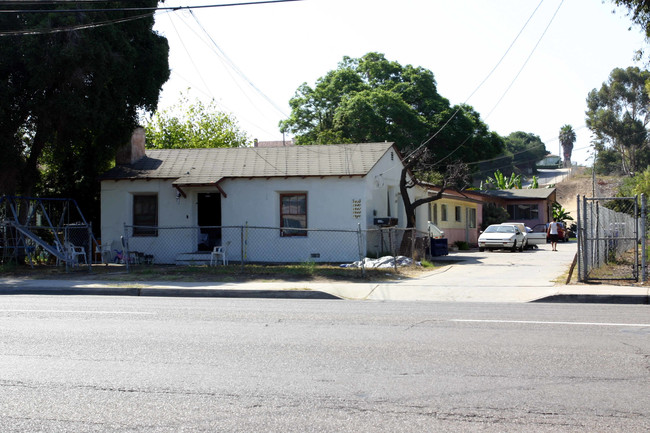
(618, 116)
(70, 92)
(193, 124)
(526, 149)
(373, 99)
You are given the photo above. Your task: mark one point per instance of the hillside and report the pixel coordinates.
(581, 183)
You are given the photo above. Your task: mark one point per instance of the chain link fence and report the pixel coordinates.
(609, 239)
(70, 245)
(264, 245)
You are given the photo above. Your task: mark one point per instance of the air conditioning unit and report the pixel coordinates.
(386, 222)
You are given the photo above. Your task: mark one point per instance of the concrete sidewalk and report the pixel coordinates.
(411, 290)
(468, 276)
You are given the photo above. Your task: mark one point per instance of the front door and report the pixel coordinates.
(209, 220)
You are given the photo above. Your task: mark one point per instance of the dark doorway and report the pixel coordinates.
(209, 219)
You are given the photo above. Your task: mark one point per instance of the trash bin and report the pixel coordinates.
(439, 247)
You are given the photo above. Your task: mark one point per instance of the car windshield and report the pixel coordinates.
(500, 229)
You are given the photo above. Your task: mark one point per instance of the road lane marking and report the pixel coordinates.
(78, 312)
(540, 322)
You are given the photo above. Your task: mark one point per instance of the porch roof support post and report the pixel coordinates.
(178, 188)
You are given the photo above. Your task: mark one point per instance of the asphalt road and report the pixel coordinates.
(552, 177)
(118, 364)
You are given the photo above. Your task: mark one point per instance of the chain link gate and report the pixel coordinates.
(610, 244)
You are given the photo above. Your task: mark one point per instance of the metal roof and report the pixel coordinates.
(533, 193)
(208, 166)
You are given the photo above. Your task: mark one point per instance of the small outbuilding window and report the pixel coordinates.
(293, 214)
(471, 218)
(523, 211)
(145, 215)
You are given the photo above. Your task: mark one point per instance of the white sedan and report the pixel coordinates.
(499, 236)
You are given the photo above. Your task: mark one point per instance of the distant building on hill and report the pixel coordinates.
(551, 161)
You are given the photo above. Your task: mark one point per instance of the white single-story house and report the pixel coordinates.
(275, 204)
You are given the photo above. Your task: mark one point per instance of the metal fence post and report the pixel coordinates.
(241, 246)
(585, 250)
(636, 237)
(644, 257)
(91, 255)
(66, 254)
(580, 236)
(392, 247)
(359, 243)
(125, 248)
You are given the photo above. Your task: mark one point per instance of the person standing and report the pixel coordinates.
(553, 233)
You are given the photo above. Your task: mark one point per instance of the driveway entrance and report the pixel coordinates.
(489, 276)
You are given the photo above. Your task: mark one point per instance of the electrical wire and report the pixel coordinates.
(237, 70)
(76, 27)
(208, 92)
(150, 12)
(136, 9)
(190, 57)
(511, 83)
(480, 84)
(527, 59)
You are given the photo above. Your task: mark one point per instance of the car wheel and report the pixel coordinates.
(514, 247)
(481, 249)
(521, 248)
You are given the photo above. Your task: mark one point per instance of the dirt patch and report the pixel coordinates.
(230, 273)
(581, 183)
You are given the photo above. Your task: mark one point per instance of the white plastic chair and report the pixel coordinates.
(219, 253)
(74, 252)
(105, 253)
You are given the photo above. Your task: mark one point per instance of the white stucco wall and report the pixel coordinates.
(255, 204)
(117, 210)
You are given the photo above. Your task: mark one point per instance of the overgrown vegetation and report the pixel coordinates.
(493, 214)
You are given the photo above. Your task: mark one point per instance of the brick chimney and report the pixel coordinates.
(133, 151)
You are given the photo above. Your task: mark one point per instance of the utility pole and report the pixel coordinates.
(593, 176)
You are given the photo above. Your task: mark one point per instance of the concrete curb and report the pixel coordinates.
(595, 299)
(160, 292)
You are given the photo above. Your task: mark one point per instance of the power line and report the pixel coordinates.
(237, 70)
(149, 11)
(542, 143)
(513, 80)
(75, 27)
(527, 59)
(228, 64)
(479, 86)
(132, 9)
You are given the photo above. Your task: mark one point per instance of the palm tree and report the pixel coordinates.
(567, 138)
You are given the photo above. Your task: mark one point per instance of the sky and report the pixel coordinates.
(251, 59)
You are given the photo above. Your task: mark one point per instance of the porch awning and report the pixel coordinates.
(197, 180)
